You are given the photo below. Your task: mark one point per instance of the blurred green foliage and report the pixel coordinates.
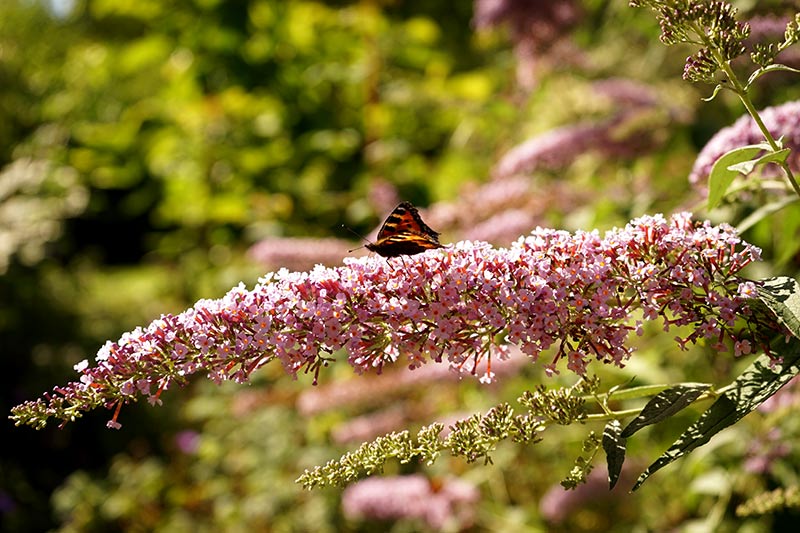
(193, 128)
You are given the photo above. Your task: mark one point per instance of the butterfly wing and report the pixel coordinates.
(405, 219)
(404, 233)
(405, 244)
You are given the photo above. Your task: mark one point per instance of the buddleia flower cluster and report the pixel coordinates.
(711, 25)
(764, 53)
(557, 296)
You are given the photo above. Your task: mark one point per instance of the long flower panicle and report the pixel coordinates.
(500, 210)
(573, 293)
(781, 121)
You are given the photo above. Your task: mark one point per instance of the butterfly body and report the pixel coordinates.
(404, 233)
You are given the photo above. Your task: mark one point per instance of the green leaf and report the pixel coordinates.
(764, 211)
(782, 296)
(664, 405)
(641, 391)
(758, 382)
(722, 175)
(614, 446)
(776, 67)
(746, 167)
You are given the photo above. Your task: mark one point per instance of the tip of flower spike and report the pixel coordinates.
(487, 378)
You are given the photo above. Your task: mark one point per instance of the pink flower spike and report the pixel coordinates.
(579, 295)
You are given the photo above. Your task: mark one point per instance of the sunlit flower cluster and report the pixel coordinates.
(571, 295)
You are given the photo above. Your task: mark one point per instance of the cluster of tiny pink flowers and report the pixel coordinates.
(781, 121)
(447, 504)
(572, 293)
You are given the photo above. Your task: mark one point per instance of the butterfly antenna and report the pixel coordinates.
(357, 235)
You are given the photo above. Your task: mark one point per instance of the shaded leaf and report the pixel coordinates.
(758, 382)
(766, 70)
(764, 211)
(782, 296)
(614, 446)
(664, 405)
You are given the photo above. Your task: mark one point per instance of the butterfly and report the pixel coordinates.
(404, 233)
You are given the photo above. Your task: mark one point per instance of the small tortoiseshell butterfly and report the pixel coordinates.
(404, 233)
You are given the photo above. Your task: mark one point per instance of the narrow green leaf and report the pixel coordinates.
(664, 405)
(614, 446)
(721, 176)
(764, 211)
(641, 391)
(782, 296)
(758, 382)
(766, 70)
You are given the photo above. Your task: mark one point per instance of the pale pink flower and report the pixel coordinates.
(558, 505)
(764, 451)
(366, 427)
(786, 399)
(298, 253)
(440, 504)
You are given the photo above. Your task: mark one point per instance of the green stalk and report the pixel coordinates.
(737, 87)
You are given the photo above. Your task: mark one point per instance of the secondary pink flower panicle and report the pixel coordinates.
(558, 506)
(449, 503)
(631, 127)
(781, 121)
(298, 253)
(573, 293)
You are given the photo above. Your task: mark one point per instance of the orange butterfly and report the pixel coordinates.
(404, 233)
